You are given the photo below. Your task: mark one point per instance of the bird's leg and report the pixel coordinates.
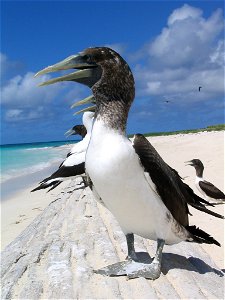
(134, 269)
(85, 180)
(130, 247)
(150, 271)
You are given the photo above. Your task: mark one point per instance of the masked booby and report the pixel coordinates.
(77, 130)
(210, 192)
(74, 165)
(82, 145)
(145, 195)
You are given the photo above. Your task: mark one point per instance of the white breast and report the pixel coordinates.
(197, 180)
(119, 179)
(81, 146)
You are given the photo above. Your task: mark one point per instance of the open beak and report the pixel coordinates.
(75, 76)
(89, 99)
(90, 108)
(70, 132)
(87, 72)
(189, 163)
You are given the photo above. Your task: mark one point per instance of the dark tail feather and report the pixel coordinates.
(197, 203)
(195, 197)
(201, 236)
(46, 185)
(54, 186)
(201, 207)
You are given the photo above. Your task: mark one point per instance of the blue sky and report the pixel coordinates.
(173, 47)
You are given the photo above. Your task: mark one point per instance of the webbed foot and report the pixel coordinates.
(132, 269)
(142, 266)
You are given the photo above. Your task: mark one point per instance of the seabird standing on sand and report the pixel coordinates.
(74, 165)
(146, 196)
(210, 192)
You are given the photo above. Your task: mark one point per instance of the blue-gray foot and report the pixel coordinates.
(134, 269)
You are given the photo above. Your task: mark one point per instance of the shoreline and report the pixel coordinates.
(22, 181)
(20, 208)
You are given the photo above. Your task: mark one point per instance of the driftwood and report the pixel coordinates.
(54, 258)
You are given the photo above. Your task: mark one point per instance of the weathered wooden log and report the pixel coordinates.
(54, 258)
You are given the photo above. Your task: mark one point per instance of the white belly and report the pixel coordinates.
(119, 179)
(197, 180)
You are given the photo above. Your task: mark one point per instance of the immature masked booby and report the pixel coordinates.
(146, 196)
(74, 165)
(207, 189)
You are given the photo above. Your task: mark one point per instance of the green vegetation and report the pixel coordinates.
(208, 128)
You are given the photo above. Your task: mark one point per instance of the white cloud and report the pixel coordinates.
(218, 55)
(24, 91)
(16, 115)
(13, 113)
(188, 53)
(183, 13)
(22, 98)
(8, 67)
(187, 39)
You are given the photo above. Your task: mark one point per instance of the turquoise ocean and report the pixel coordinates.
(19, 160)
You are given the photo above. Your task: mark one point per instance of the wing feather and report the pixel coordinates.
(174, 193)
(211, 190)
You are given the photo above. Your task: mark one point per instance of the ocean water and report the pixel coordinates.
(24, 159)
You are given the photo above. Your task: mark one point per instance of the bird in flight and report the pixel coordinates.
(199, 88)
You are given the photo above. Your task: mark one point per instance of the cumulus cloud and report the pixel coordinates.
(188, 39)
(8, 68)
(24, 91)
(17, 115)
(183, 13)
(188, 53)
(22, 99)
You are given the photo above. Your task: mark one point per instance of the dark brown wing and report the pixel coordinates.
(174, 193)
(164, 178)
(56, 178)
(211, 190)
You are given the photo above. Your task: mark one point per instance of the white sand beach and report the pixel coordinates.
(55, 239)
(19, 210)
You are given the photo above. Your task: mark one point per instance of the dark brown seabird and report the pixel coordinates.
(210, 192)
(146, 196)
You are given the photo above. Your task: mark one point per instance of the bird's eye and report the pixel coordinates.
(87, 58)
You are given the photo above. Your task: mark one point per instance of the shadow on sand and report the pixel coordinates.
(176, 261)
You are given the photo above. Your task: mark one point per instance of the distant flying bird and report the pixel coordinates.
(199, 88)
(147, 196)
(207, 189)
(167, 99)
(74, 165)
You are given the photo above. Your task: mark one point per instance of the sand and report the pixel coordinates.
(19, 210)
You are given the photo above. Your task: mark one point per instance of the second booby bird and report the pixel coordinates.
(146, 196)
(77, 130)
(207, 189)
(74, 165)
